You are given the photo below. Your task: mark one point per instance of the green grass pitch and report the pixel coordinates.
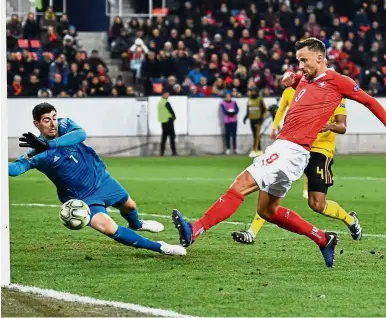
(282, 274)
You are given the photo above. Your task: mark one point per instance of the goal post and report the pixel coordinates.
(4, 198)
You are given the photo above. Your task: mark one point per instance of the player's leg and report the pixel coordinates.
(305, 188)
(129, 212)
(221, 210)
(103, 223)
(270, 209)
(249, 236)
(319, 172)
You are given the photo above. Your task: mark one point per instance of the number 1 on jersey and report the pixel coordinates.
(73, 158)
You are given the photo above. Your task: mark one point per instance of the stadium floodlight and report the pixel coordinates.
(4, 199)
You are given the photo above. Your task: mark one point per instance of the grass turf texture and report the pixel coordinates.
(282, 274)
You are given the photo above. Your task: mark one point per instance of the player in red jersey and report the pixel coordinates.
(318, 92)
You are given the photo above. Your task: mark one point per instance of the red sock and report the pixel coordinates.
(293, 222)
(222, 209)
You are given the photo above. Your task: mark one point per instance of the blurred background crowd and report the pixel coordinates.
(198, 49)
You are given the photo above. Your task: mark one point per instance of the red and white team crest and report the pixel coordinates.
(322, 84)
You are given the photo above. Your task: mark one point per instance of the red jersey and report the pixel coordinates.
(316, 100)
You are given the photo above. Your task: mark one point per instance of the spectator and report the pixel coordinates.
(31, 29)
(230, 110)
(195, 74)
(58, 85)
(16, 89)
(63, 94)
(50, 40)
(63, 25)
(45, 92)
(120, 86)
(68, 48)
(193, 92)
(79, 93)
(11, 42)
(204, 88)
(14, 26)
(115, 30)
(182, 64)
(32, 87)
(114, 92)
(150, 70)
(59, 66)
(219, 87)
(74, 79)
(48, 20)
(130, 92)
(94, 60)
(177, 90)
(136, 63)
(166, 63)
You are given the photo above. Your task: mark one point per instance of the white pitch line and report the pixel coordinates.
(49, 293)
(196, 179)
(161, 216)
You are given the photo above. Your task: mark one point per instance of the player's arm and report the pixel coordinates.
(19, 167)
(71, 138)
(339, 126)
(348, 88)
(291, 79)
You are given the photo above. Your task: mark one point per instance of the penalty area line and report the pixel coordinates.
(68, 297)
(162, 216)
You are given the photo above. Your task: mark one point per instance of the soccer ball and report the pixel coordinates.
(74, 214)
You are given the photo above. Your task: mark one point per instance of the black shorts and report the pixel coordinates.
(319, 173)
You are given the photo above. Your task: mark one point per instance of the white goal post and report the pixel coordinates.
(4, 198)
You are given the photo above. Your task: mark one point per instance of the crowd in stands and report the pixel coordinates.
(197, 51)
(45, 59)
(206, 53)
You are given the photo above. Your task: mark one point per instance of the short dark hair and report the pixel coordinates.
(40, 109)
(313, 44)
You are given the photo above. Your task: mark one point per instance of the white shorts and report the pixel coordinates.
(282, 163)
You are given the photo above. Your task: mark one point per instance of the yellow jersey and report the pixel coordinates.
(325, 142)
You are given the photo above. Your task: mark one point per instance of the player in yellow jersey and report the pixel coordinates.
(318, 172)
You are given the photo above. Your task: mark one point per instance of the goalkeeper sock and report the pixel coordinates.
(293, 222)
(133, 219)
(335, 211)
(130, 238)
(256, 225)
(222, 209)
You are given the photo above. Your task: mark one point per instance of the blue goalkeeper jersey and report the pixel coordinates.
(76, 170)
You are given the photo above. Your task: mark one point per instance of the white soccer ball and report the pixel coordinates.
(74, 214)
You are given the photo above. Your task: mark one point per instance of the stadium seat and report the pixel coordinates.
(35, 44)
(160, 11)
(23, 43)
(158, 88)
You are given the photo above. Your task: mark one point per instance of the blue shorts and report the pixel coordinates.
(110, 193)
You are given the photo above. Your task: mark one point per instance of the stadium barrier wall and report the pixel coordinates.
(129, 126)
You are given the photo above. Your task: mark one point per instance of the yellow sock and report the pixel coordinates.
(305, 187)
(335, 211)
(256, 225)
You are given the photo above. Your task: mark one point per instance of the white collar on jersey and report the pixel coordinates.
(322, 75)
